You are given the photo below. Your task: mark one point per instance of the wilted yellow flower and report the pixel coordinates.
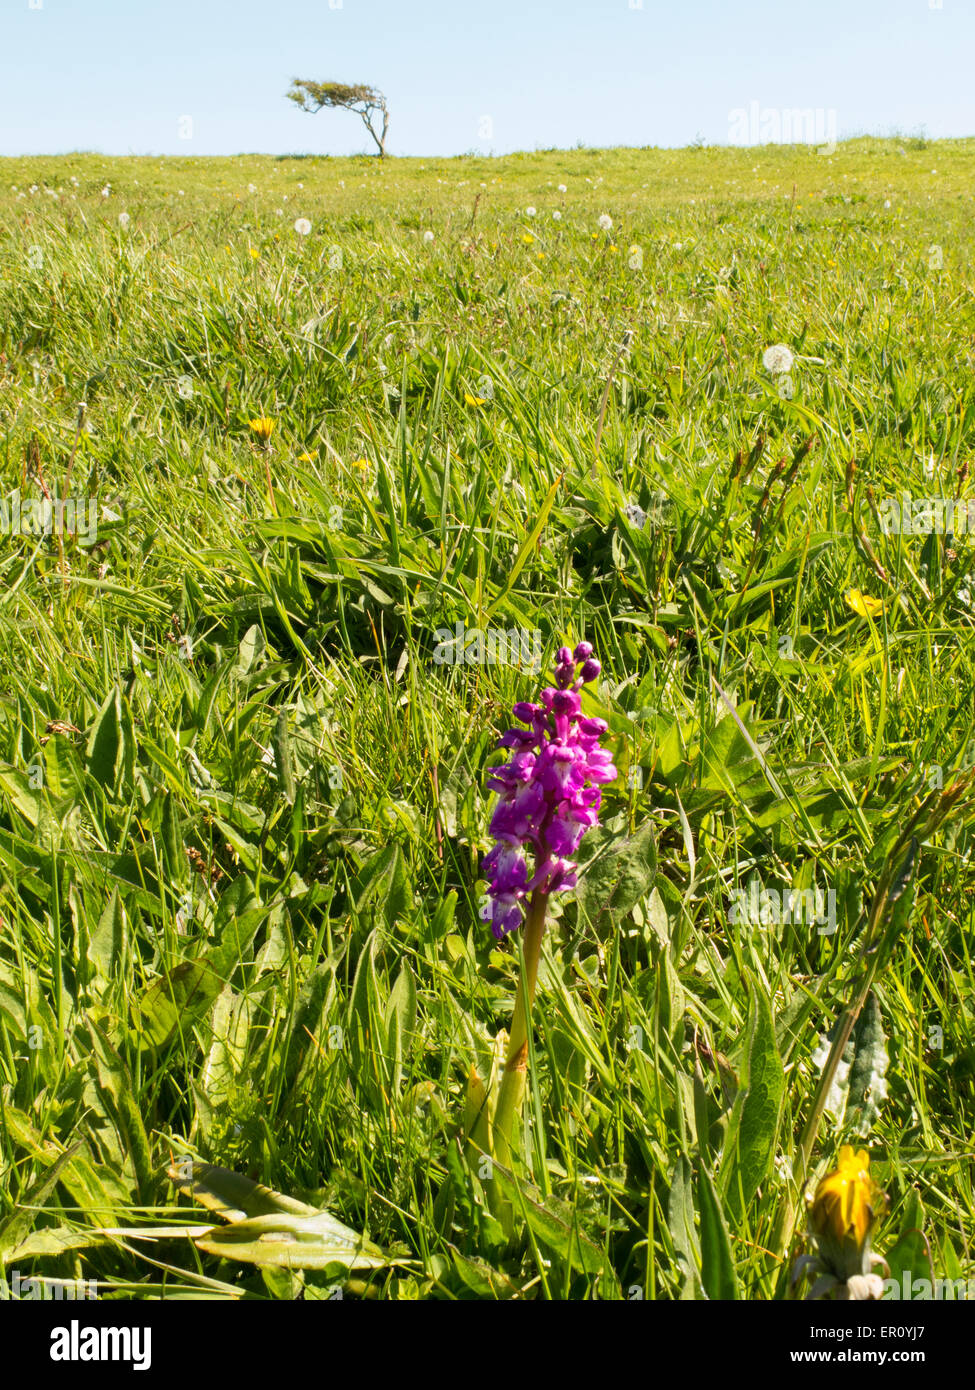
(262, 427)
(843, 1214)
(864, 605)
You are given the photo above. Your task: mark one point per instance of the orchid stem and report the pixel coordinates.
(512, 1092)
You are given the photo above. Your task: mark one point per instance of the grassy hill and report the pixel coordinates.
(243, 794)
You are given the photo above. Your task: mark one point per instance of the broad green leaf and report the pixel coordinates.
(56, 1240)
(15, 1227)
(293, 1242)
(681, 1224)
(268, 1228)
(107, 941)
(866, 1082)
(283, 760)
(251, 647)
(749, 1147)
(717, 1265)
(175, 1002)
(114, 1077)
(230, 1195)
(104, 741)
(400, 1021)
(614, 881)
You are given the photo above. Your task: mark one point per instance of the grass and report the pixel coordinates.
(242, 804)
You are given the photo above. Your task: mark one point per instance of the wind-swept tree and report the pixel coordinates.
(366, 102)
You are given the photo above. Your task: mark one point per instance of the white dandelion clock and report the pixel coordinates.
(777, 359)
(302, 226)
(606, 222)
(123, 220)
(427, 237)
(635, 258)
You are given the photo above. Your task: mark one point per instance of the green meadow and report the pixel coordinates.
(244, 753)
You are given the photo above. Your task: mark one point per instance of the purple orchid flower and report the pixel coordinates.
(549, 793)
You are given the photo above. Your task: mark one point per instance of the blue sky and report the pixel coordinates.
(121, 76)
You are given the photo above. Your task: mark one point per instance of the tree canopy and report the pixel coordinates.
(367, 102)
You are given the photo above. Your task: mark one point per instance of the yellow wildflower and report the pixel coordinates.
(254, 255)
(864, 605)
(263, 427)
(844, 1212)
(474, 400)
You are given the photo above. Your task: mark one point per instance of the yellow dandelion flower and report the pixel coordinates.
(844, 1212)
(527, 238)
(864, 605)
(474, 400)
(306, 457)
(361, 463)
(263, 427)
(254, 255)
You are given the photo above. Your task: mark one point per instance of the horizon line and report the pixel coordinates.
(918, 138)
